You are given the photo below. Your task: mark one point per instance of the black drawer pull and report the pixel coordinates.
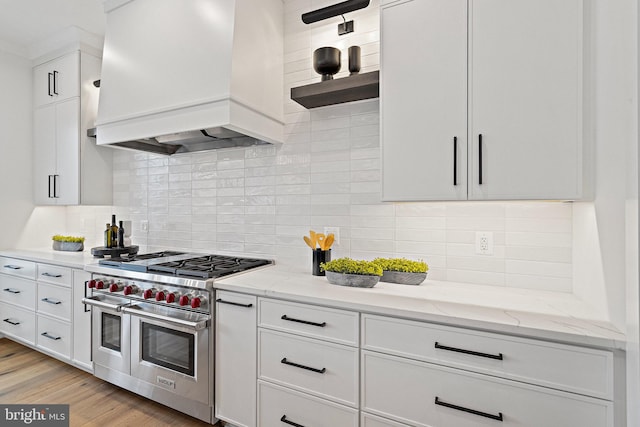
(52, 301)
(233, 303)
(286, 362)
(291, 423)
(471, 411)
(51, 275)
(306, 322)
(471, 352)
(11, 291)
(14, 323)
(51, 337)
(455, 160)
(480, 159)
(13, 267)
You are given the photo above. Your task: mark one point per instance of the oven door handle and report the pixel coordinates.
(101, 304)
(196, 326)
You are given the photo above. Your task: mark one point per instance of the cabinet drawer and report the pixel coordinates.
(368, 420)
(276, 405)
(317, 322)
(324, 369)
(18, 267)
(424, 394)
(54, 274)
(54, 300)
(54, 335)
(564, 367)
(14, 290)
(18, 323)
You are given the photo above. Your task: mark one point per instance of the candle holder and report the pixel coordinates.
(320, 256)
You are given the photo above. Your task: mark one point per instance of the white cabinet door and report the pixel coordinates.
(423, 100)
(81, 322)
(236, 355)
(57, 153)
(525, 99)
(56, 80)
(67, 181)
(44, 152)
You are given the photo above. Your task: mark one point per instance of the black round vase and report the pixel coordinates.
(326, 62)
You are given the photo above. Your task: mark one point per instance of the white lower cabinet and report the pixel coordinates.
(369, 420)
(81, 322)
(235, 354)
(281, 406)
(429, 395)
(18, 323)
(54, 336)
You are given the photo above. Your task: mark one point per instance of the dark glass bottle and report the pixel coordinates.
(121, 236)
(114, 232)
(107, 236)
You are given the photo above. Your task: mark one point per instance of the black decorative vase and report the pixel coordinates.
(320, 256)
(354, 60)
(326, 62)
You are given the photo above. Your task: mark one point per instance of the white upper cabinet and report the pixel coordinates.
(424, 100)
(509, 73)
(69, 169)
(56, 80)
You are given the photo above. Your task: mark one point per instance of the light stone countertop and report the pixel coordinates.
(536, 314)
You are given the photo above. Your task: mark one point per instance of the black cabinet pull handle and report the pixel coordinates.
(291, 423)
(52, 301)
(51, 337)
(471, 352)
(11, 291)
(51, 275)
(455, 160)
(471, 411)
(13, 267)
(11, 322)
(55, 186)
(233, 303)
(50, 176)
(86, 283)
(306, 322)
(49, 75)
(480, 159)
(55, 82)
(286, 362)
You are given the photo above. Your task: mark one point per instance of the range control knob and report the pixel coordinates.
(149, 293)
(160, 296)
(195, 302)
(184, 300)
(116, 287)
(91, 284)
(130, 289)
(171, 297)
(101, 285)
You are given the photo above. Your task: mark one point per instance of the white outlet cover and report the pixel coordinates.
(484, 243)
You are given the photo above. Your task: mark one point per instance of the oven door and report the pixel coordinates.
(110, 332)
(170, 349)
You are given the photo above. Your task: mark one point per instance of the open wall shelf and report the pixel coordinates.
(338, 91)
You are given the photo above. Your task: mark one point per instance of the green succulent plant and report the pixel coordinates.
(59, 238)
(402, 264)
(350, 266)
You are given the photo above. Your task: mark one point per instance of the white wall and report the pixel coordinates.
(16, 201)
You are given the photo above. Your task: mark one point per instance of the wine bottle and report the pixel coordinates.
(121, 236)
(114, 232)
(107, 236)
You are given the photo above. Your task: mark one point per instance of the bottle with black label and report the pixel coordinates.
(107, 236)
(114, 232)
(121, 236)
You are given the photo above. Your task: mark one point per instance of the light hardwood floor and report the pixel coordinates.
(30, 377)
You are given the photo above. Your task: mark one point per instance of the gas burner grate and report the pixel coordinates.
(209, 266)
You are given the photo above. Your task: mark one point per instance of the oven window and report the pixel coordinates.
(111, 331)
(168, 348)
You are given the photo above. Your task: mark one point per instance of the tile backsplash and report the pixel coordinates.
(262, 200)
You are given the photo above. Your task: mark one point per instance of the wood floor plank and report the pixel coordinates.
(30, 377)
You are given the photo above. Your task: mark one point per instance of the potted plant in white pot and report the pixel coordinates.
(355, 273)
(68, 243)
(403, 271)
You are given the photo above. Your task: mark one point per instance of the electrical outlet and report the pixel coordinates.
(484, 242)
(336, 234)
(144, 224)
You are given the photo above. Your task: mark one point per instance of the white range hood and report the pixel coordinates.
(180, 76)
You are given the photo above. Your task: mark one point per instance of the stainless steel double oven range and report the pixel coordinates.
(152, 324)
